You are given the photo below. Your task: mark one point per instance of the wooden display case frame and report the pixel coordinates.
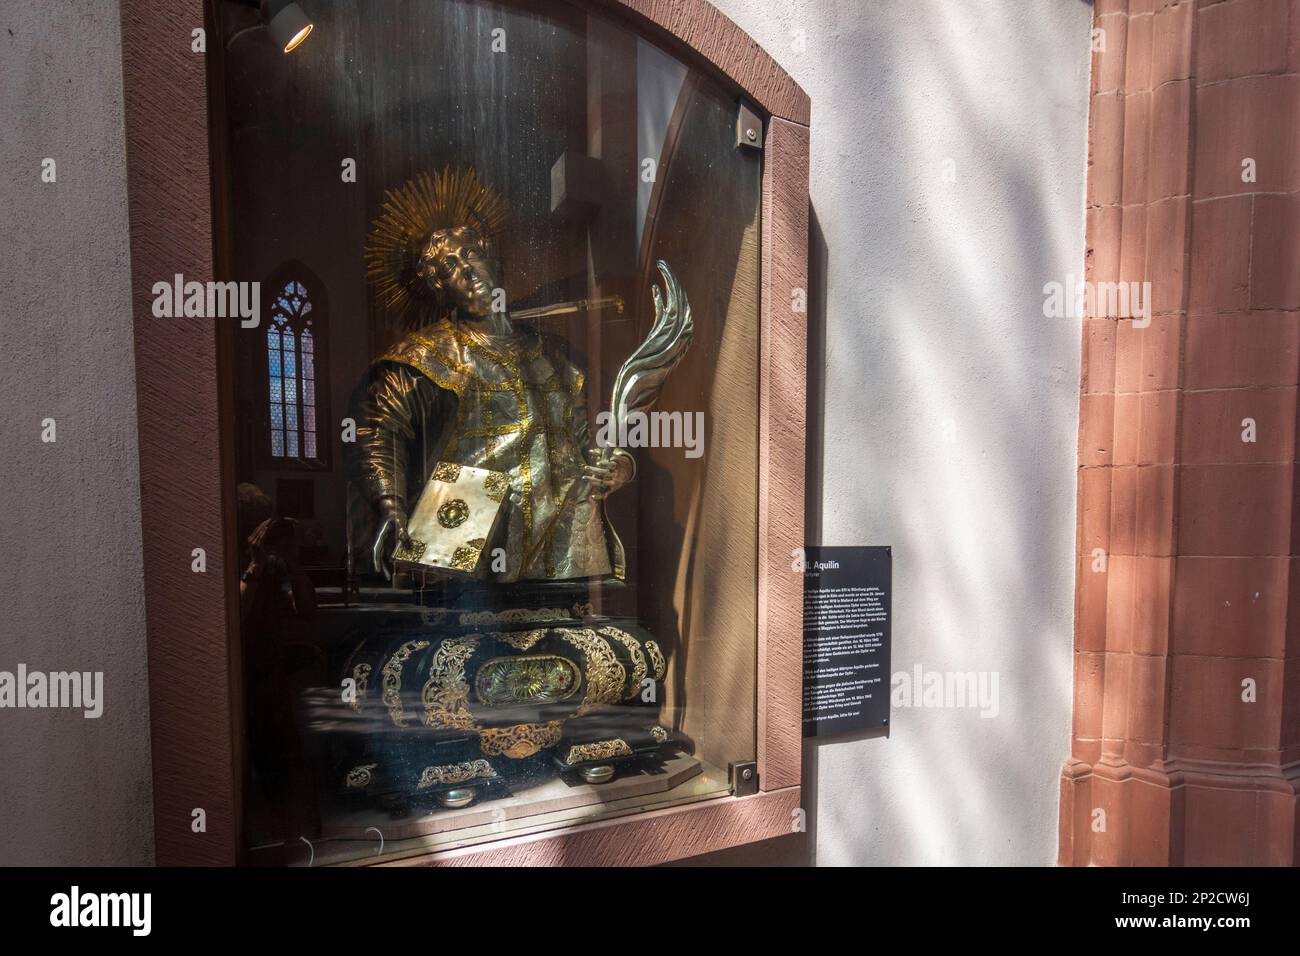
(192, 621)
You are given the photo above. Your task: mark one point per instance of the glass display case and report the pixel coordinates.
(496, 449)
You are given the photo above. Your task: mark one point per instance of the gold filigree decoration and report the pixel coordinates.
(454, 773)
(411, 213)
(412, 551)
(360, 679)
(358, 778)
(446, 692)
(657, 660)
(496, 485)
(600, 750)
(605, 675)
(520, 740)
(524, 640)
(393, 679)
(659, 734)
(447, 471)
(453, 513)
(512, 616)
(634, 652)
(466, 558)
(540, 679)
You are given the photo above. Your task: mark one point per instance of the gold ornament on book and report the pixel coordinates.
(447, 471)
(466, 558)
(453, 513)
(410, 552)
(458, 512)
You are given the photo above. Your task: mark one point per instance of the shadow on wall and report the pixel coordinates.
(944, 418)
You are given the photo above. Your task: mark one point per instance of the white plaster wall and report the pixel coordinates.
(949, 413)
(950, 406)
(72, 790)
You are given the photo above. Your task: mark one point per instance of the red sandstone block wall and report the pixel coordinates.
(1197, 528)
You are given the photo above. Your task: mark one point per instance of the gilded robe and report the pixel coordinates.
(513, 404)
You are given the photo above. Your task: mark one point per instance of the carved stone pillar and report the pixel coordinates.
(1186, 737)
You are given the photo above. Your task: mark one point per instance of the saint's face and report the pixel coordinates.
(468, 273)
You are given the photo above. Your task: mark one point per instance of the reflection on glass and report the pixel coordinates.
(509, 585)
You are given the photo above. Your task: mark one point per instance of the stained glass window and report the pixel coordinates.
(291, 372)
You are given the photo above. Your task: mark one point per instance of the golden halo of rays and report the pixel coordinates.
(434, 200)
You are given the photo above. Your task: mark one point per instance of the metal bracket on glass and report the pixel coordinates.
(744, 778)
(749, 127)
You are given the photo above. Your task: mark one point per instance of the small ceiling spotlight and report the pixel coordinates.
(287, 23)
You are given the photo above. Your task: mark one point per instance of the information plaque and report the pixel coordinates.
(846, 612)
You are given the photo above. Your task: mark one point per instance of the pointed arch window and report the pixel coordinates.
(291, 366)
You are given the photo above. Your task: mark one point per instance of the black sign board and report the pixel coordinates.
(846, 612)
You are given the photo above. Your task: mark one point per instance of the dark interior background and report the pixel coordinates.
(406, 86)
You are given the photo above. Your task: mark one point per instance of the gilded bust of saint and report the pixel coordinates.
(471, 386)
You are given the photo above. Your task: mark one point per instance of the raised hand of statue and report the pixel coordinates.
(610, 471)
(392, 524)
